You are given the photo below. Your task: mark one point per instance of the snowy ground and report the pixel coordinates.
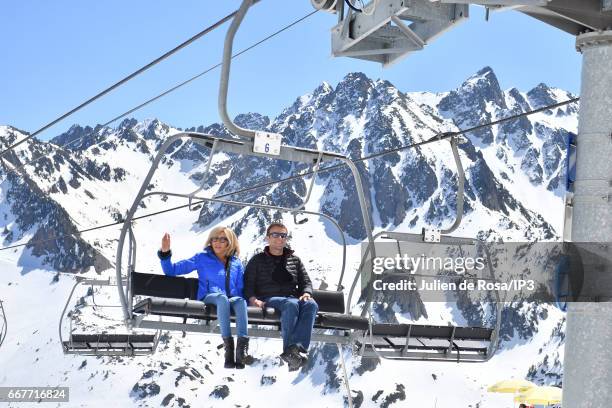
(191, 367)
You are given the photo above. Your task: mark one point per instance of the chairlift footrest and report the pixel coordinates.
(110, 344)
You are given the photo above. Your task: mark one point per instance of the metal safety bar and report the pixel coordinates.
(4, 328)
(342, 336)
(80, 281)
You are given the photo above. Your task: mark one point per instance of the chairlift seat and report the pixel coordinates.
(394, 339)
(175, 296)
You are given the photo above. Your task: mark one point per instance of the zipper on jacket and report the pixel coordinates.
(227, 279)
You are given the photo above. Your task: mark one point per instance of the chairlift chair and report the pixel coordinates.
(175, 297)
(103, 344)
(425, 342)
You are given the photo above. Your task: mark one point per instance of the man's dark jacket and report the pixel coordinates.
(263, 277)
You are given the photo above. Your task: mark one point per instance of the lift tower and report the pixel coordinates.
(385, 31)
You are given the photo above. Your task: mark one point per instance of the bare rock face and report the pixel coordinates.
(220, 392)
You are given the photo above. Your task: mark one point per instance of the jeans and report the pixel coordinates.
(297, 319)
(238, 304)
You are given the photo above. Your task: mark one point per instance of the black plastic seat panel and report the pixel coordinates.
(329, 301)
(178, 287)
(197, 309)
(147, 284)
(398, 343)
(341, 321)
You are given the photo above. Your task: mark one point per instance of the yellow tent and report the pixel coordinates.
(511, 386)
(540, 396)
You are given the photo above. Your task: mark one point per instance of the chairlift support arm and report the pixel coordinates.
(225, 72)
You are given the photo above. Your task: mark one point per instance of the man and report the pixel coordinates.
(277, 278)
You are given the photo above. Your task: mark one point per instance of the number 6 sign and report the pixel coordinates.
(267, 143)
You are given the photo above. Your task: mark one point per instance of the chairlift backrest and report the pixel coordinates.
(178, 287)
(145, 284)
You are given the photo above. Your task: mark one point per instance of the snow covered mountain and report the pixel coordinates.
(89, 176)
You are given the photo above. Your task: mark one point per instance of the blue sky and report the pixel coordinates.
(57, 54)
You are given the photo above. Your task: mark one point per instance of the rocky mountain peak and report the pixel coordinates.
(152, 129)
(474, 101)
(355, 83)
(10, 134)
(127, 123)
(252, 120)
(541, 95)
(485, 86)
(324, 88)
(518, 100)
(80, 138)
(351, 95)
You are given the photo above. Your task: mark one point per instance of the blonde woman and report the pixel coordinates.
(221, 284)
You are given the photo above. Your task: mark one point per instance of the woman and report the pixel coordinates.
(221, 284)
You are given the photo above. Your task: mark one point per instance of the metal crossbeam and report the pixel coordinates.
(393, 29)
(245, 147)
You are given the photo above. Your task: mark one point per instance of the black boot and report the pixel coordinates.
(293, 358)
(228, 345)
(242, 348)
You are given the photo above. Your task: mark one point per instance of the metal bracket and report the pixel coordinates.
(393, 29)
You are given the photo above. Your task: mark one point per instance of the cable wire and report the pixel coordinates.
(439, 137)
(174, 88)
(124, 80)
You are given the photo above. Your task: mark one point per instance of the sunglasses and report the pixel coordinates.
(223, 240)
(282, 235)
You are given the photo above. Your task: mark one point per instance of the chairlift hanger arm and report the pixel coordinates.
(225, 71)
(460, 188)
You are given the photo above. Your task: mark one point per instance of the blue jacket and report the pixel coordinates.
(211, 272)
